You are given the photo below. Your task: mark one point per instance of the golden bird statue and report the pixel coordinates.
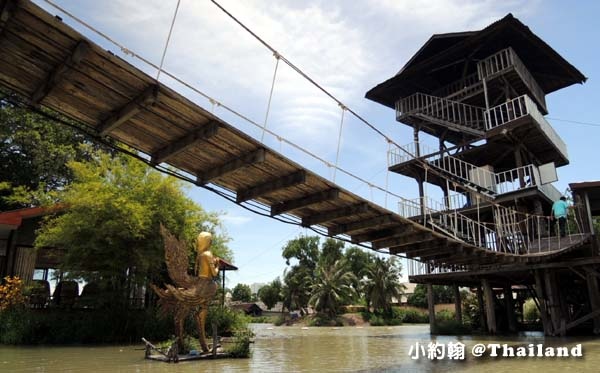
(193, 293)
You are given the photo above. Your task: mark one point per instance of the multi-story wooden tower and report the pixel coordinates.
(481, 97)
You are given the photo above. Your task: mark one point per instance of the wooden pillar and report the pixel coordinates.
(539, 289)
(11, 253)
(431, 307)
(594, 294)
(519, 163)
(553, 302)
(223, 288)
(457, 305)
(490, 310)
(510, 309)
(481, 308)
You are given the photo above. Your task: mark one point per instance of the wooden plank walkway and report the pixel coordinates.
(52, 65)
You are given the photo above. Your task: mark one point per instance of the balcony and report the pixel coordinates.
(521, 107)
(505, 61)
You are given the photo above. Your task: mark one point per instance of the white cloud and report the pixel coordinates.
(234, 217)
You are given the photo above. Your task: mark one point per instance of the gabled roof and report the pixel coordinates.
(440, 61)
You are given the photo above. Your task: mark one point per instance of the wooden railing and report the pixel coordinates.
(507, 59)
(449, 111)
(520, 107)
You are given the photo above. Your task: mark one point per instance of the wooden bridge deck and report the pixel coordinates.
(52, 65)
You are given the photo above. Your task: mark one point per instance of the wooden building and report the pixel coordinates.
(482, 96)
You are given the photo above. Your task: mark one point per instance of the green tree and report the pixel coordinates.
(305, 251)
(331, 252)
(332, 285)
(34, 155)
(441, 294)
(111, 225)
(241, 293)
(382, 284)
(270, 294)
(358, 260)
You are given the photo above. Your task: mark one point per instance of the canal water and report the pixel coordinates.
(293, 349)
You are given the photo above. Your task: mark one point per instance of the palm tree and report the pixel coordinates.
(381, 284)
(331, 287)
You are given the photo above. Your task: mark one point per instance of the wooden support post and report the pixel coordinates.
(215, 339)
(59, 72)
(594, 294)
(510, 309)
(457, 305)
(147, 98)
(481, 307)
(295, 178)
(204, 132)
(254, 157)
(223, 287)
(519, 164)
(431, 308)
(553, 302)
(334, 214)
(305, 201)
(490, 310)
(539, 289)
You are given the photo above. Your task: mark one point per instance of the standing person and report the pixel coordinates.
(559, 212)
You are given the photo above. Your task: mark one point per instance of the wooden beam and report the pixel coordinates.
(5, 14)
(382, 234)
(54, 78)
(334, 214)
(293, 204)
(412, 247)
(147, 98)
(433, 249)
(181, 144)
(283, 182)
(359, 225)
(256, 156)
(398, 241)
(580, 320)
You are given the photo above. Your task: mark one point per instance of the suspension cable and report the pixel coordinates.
(162, 59)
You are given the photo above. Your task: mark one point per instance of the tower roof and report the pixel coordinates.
(441, 60)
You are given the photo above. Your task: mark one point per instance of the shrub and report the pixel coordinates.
(445, 315)
(323, 320)
(228, 320)
(11, 293)
(280, 320)
(451, 327)
(530, 311)
(241, 345)
(411, 316)
(376, 320)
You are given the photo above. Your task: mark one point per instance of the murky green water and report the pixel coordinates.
(292, 349)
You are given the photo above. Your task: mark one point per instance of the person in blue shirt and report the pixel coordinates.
(560, 209)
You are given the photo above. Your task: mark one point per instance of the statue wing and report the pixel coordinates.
(176, 257)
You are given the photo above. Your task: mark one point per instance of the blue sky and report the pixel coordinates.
(348, 47)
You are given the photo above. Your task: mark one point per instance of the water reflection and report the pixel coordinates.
(292, 349)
